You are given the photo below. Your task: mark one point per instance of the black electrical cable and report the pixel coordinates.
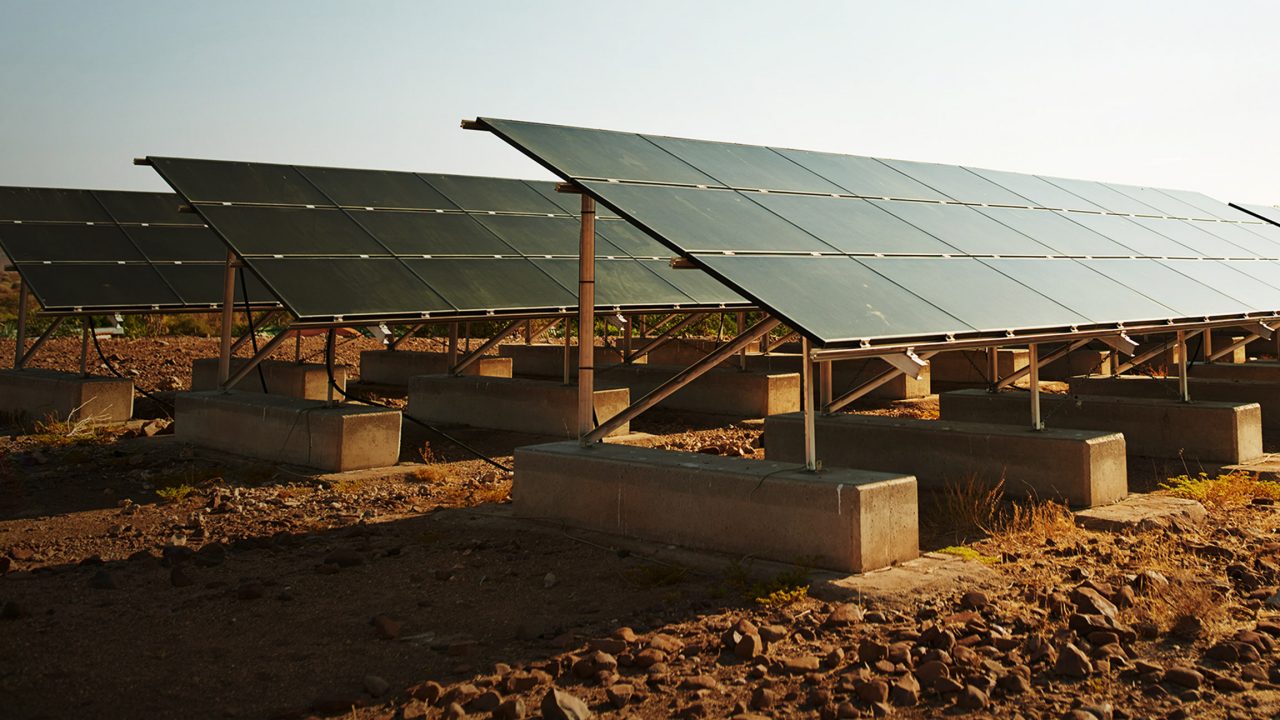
(328, 363)
(93, 333)
(253, 334)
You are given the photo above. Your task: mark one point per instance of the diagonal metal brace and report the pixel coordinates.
(488, 345)
(1121, 343)
(1056, 354)
(866, 387)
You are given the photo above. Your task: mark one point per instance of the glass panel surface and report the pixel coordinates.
(290, 231)
(376, 188)
(480, 285)
(862, 175)
(619, 283)
(1104, 197)
(1165, 204)
(19, 203)
(964, 228)
(491, 194)
(570, 203)
(698, 285)
(531, 235)
(1197, 242)
(630, 240)
(1213, 208)
(223, 181)
(1265, 212)
(1036, 189)
(975, 293)
(185, 244)
(582, 153)
(1124, 231)
(1242, 236)
(957, 183)
(1226, 279)
(1187, 297)
(63, 287)
(142, 207)
(1268, 271)
(1055, 231)
(1082, 289)
(32, 243)
(427, 233)
(853, 225)
(836, 299)
(707, 219)
(327, 288)
(745, 166)
(202, 284)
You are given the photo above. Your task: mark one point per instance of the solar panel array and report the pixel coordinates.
(851, 249)
(111, 251)
(1263, 212)
(341, 244)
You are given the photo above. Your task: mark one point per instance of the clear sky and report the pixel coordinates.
(1172, 93)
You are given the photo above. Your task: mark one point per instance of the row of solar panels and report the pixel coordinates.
(845, 249)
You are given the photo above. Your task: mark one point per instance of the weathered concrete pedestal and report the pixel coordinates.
(1209, 432)
(1259, 370)
(1266, 394)
(717, 392)
(848, 374)
(306, 381)
(968, 368)
(837, 519)
(289, 430)
(31, 395)
(541, 360)
(1077, 362)
(1080, 467)
(395, 367)
(539, 407)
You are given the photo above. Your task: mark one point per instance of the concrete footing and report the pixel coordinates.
(1208, 432)
(1080, 467)
(968, 368)
(289, 430)
(837, 519)
(717, 392)
(848, 374)
(542, 360)
(305, 381)
(31, 395)
(1266, 394)
(1077, 362)
(1259, 370)
(395, 367)
(538, 407)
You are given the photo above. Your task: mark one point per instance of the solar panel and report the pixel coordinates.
(340, 244)
(114, 251)
(1263, 212)
(909, 250)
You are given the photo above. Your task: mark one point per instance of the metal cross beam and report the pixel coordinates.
(1055, 355)
(506, 332)
(257, 358)
(862, 390)
(25, 357)
(662, 339)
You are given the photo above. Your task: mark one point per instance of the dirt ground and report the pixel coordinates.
(141, 578)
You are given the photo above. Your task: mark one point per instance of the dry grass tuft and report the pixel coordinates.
(55, 432)
(971, 507)
(1224, 491)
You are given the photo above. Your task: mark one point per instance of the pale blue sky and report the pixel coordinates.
(1179, 94)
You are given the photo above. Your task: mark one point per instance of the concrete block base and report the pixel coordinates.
(968, 368)
(848, 374)
(289, 430)
(539, 407)
(1266, 394)
(382, 367)
(545, 361)
(33, 395)
(838, 519)
(1080, 467)
(1077, 362)
(306, 381)
(717, 392)
(1259, 370)
(1208, 432)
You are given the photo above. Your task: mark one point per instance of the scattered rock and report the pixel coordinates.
(511, 709)
(972, 699)
(801, 664)
(1184, 676)
(549, 580)
(974, 600)
(375, 685)
(560, 705)
(1072, 662)
(619, 695)
(844, 615)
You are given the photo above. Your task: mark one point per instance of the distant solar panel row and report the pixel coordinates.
(342, 244)
(854, 249)
(84, 250)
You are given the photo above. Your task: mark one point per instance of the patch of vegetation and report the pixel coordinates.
(1221, 491)
(786, 588)
(52, 432)
(967, 553)
(175, 493)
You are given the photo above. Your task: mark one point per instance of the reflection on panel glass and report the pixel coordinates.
(619, 283)
(631, 240)
(1056, 231)
(862, 175)
(745, 166)
(853, 225)
(1140, 240)
(975, 293)
(699, 286)
(1039, 191)
(1242, 236)
(71, 286)
(964, 228)
(834, 298)
(1230, 281)
(376, 188)
(1188, 297)
(1105, 300)
(291, 231)
(957, 183)
(479, 285)
(220, 181)
(325, 288)
(1197, 242)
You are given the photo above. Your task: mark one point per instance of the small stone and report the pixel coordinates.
(750, 646)
(700, 682)
(549, 580)
(594, 663)
(1090, 602)
(1184, 676)
(873, 691)
(1072, 662)
(428, 692)
(763, 698)
(974, 600)
(801, 664)
(931, 671)
(560, 705)
(487, 701)
(773, 633)
(870, 650)
(844, 615)
(1229, 685)
(906, 691)
(625, 634)
(972, 699)
(376, 686)
(454, 712)
(511, 709)
(649, 657)
(386, 628)
(619, 695)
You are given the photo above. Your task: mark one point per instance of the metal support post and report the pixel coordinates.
(466, 333)
(1206, 346)
(20, 347)
(1184, 388)
(626, 345)
(806, 383)
(488, 345)
(453, 344)
(35, 346)
(1051, 357)
(586, 318)
(228, 316)
(297, 346)
(993, 369)
(742, 356)
(866, 387)
(1033, 365)
(84, 348)
(568, 354)
(243, 371)
(528, 331)
(330, 344)
(824, 382)
(395, 344)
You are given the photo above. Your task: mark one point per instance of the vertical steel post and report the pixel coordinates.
(1033, 363)
(806, 387)
(586, 318)
(528, 332)
(84, 348)
(330, 345)
(21, 345)
(993, 369)
(453, 344)
(1184, 388)
(1207, 345)
(568, 354)
(742, 356)
(466, 331)
(297, 346)
(626, 345)
(228, 315)
(824, 383)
